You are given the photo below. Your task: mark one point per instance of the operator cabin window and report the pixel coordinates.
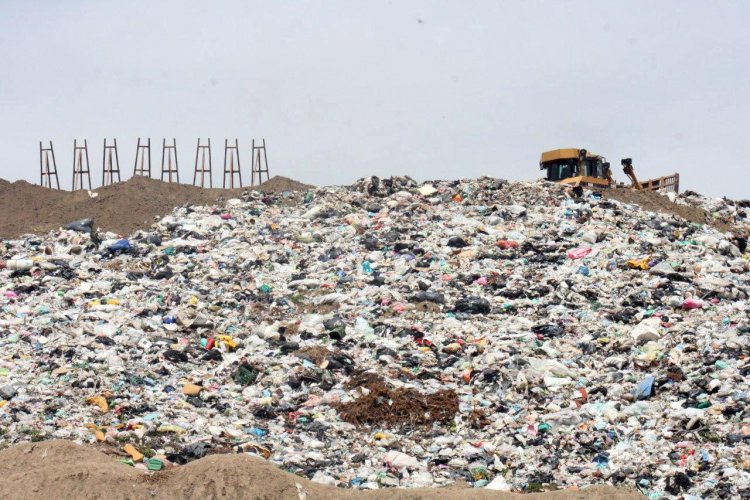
(591, 168)
(598, 167)
(559, 171)
(565, 171)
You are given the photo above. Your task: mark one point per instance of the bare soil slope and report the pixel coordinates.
(121, 208)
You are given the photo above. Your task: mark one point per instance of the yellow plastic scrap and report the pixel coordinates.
(99, 435)
(638, 264)
(96, 431)
(227, 341)
(103, 302)
(136, 455)
(193, 300)
(99, 401)
(191, 389)
(92, 426)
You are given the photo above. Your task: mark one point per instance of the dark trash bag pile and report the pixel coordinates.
(516, 336)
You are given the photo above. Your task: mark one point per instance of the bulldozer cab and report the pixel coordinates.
(575, 167)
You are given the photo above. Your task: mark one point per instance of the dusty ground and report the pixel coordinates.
(121, 208)
(61, 469)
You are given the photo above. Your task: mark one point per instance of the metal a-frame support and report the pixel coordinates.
(260, 163)
(80, 153)
(202, 150)
(229, 167)
(142, 153)
(167, 153)
(47, 170)
(110, 168)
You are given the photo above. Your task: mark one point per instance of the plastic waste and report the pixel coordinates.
(692, 304)
(19, 264)
(135, 455)
(391, 333)
(119, 245)
(473, 305)
(644, 390)
(580, 252)
(82, 225)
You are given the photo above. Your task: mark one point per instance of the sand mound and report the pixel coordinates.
(62, 469)
(120, 208)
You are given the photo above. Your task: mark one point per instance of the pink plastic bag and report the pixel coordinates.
(579, 253)
(692, 304)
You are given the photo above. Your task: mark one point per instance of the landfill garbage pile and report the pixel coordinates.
(391, 333)
(733, 214)
(721, 213)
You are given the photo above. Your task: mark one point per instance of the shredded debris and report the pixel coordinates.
(381, 405)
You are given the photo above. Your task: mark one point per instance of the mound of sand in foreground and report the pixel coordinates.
(63, 469)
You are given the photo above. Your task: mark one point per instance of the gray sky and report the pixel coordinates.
(341, 90)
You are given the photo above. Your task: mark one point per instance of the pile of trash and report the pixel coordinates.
(732, 214)
(518, 336)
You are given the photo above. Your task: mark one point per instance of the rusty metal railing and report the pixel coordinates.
(668, 183)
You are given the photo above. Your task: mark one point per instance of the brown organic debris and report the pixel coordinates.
(315, 354)
(385, 406)
(478, 419)
(362, 379)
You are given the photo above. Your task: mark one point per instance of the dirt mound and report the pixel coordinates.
(62, 469)
(280, 184)
(655, 202)
(121, 208)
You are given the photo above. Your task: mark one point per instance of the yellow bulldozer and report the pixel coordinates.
(579, 167)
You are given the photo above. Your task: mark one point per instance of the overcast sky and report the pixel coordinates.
(342, 90)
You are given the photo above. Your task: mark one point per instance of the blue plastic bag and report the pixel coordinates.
(645, 389)
(119, 245)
